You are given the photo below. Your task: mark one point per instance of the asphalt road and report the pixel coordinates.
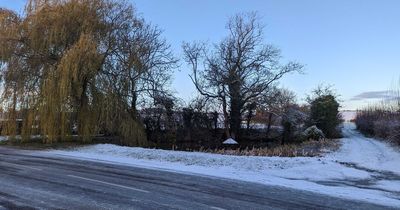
(29, 180)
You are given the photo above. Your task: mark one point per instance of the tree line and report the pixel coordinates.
(77, 69)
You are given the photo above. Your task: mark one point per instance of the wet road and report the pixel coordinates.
(29, 180)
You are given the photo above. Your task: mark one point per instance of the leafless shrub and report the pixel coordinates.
(381, 120)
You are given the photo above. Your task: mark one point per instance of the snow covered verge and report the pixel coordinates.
(3, 138)
(363, 169)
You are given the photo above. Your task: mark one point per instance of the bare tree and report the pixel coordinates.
(238, 69)
(142, 61)
(275, 103)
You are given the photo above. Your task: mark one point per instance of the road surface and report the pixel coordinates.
(29, 180)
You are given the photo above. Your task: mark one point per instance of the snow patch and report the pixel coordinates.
(3, 138)
(230, 141)
(359, 158)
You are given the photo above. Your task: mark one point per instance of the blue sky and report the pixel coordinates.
(351, 44)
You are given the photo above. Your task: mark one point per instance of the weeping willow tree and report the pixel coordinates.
(79, 66)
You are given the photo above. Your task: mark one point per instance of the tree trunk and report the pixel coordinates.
(235, 120)
(215, 119)
(287, 131)
(226, 118)
(133, 110)
(249, 116)
(236, 107)
(269, 124)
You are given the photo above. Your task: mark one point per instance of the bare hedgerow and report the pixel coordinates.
(381, 120)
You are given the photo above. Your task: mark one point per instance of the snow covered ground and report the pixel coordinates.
(3, 138)
(363, 169)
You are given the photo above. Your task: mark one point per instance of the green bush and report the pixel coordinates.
(324, 112)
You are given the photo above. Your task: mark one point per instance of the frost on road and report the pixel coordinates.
(363, 168)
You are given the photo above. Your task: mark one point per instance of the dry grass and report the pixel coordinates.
(305, 149)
